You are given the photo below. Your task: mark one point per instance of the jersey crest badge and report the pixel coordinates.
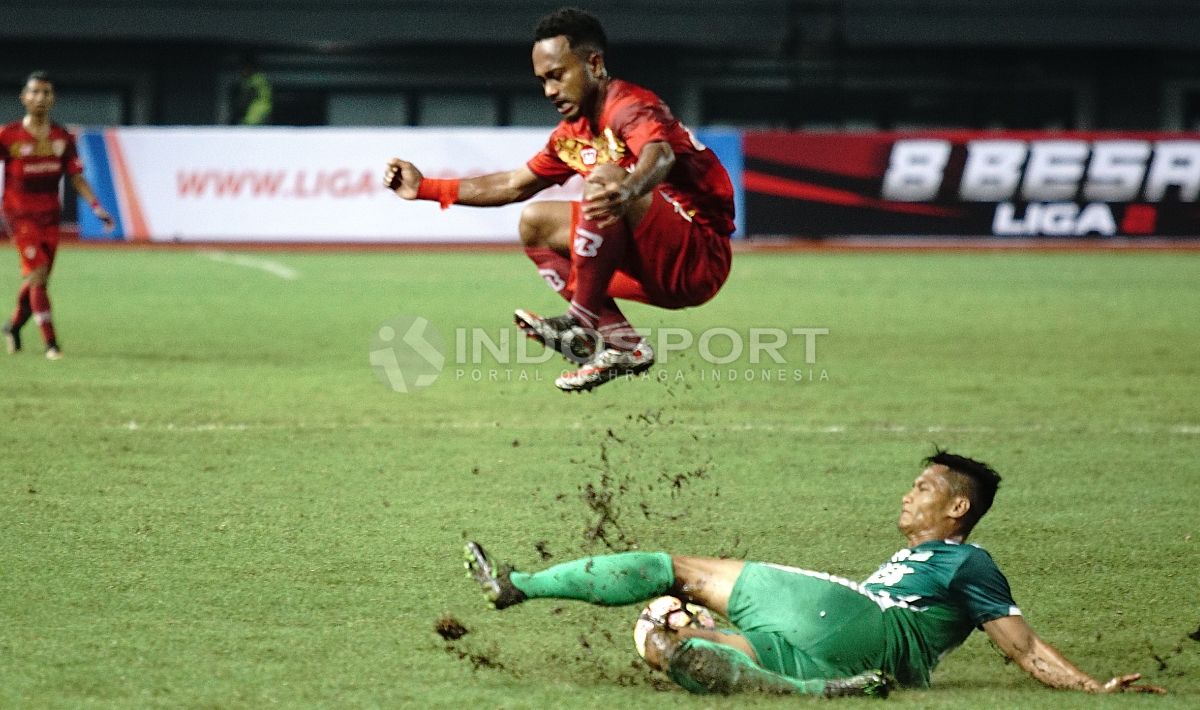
(582, 155)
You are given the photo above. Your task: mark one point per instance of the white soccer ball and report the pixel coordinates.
(672, 613)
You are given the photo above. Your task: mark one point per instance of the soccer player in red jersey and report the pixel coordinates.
(654, 223)
(36, 155)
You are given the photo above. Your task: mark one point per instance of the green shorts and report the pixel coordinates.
(807, 624)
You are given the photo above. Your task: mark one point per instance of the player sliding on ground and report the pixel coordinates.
(797, 630)
(657, 213)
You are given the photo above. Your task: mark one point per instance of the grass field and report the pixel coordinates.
(215, 502)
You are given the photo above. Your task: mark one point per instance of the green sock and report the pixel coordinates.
(610, 580)
(703, 666)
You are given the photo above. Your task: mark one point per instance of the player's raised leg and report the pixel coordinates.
(599, 248)
(545, 230)
(608, 580)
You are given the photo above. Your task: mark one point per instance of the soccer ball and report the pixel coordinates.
(672, 613)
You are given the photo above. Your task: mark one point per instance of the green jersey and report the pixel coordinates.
(932, 596)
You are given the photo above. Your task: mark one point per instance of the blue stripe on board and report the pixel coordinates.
(727, 144)
(96, 170)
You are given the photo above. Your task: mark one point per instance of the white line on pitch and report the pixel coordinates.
(271, 267)
(1190, 429)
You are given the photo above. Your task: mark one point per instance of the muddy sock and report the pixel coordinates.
(703, 666)
(608, 580)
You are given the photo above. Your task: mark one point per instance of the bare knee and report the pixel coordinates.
(607, 172)
(545, 224)
(706, 581)
(661, 644)
(39, 276)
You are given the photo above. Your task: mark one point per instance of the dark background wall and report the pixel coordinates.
(817, 64)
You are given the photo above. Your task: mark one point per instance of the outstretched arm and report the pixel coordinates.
(403, 178)
(1042, 661)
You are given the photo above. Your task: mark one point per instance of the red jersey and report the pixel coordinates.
(33, 168)
(631, 118)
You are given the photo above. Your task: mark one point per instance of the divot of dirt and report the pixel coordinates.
(450, 629)
(477, 660)
(632, 486)
(679, 480)
(614, 494)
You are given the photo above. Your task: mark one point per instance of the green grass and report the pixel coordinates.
(213, 502)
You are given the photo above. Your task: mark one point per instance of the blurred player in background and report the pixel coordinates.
(36, 155)
(252, 100)
(656, 217)
(810, 633)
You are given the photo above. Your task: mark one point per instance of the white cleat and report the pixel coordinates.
(12, 340)
(53, 354)
(607, 364)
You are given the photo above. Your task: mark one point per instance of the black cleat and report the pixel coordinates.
(560, 333)
(12, 339)
(872, 684)
(493, 580)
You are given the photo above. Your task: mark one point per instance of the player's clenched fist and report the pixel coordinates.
(605, 197)
(403, 178)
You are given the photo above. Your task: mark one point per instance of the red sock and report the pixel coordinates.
(21, 315)
(616, 331)
(554, 268)
(595, 254)
(40, 301)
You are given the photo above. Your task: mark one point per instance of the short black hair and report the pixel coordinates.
(39, 75)
(984, 481)
(580, 27)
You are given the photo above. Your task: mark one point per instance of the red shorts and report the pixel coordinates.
(674, 262)
(36, 239)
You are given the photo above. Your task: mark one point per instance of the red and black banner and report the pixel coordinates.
(973, 183)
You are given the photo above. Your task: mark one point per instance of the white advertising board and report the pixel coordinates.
(309, 184)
